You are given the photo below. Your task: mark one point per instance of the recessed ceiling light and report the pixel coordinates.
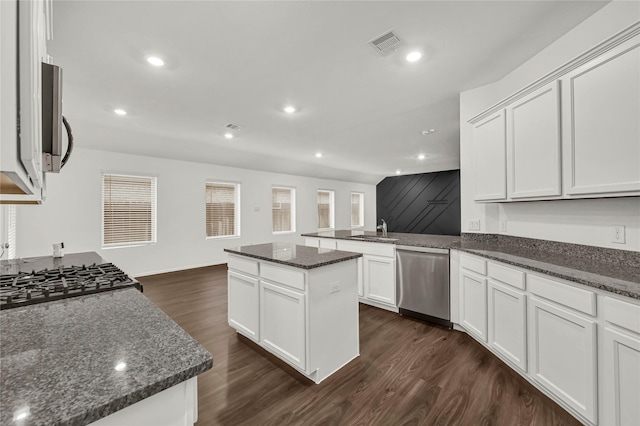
(228, 135)
(120, 111)
(155, 61)
(289, 109)
(428, 132)
(421, 156)
(414, 56)
(398, 172)
(318, 155)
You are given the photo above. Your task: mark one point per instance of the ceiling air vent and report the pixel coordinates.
(232, 126)
(386, 43)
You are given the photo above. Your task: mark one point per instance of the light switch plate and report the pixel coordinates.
(503, 226)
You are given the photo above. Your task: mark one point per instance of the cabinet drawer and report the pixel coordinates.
(623, 314)
(290, 277)
(327, 243)
(375, 249)
(473, 263)
(242, 264)
(312, 242)
(564, 294)
(506, 275)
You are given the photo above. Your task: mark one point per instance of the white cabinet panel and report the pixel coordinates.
(601, 107)
(621, 387)
(563, 353)
(380, 276)
(507, 323)
(282, 322)
(328, 243)
(473, 308)
(243, 303)
(312, 242)
(489, 140)
(533, 144)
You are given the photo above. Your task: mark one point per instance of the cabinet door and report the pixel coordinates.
(533, 144)
(282, 323)
(507, 323)
(312, 242)
(621, 387)
(489, 143)
(243, 304)
(601, 107)
(473, 304)
(380, 279)
(562, 350)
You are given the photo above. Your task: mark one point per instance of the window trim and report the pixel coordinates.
(332, 210)
(237, 200)
(293, 209)
(361, 212)
(154, 211)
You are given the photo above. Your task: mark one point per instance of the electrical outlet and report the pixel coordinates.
(618, 234)
(335, 287)
(503, 226)
(474, 225)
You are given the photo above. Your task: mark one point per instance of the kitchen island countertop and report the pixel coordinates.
(294, 255)
(58, 359)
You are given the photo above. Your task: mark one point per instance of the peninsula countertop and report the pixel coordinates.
(612, 270)
(294, 255)
(58, 359)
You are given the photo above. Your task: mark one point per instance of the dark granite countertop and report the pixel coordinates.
(616, 271)
(402, 239)
(58, 359)
(14, 266)
(294, 255)
(616, 277)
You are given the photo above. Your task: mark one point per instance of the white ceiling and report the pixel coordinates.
(241, 62)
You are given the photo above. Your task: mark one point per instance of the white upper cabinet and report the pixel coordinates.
(489, 145)
(573, 133)
(533, 144)
(601, 102)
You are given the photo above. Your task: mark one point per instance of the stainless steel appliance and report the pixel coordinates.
(422, 283)
(53, 120)
(28, 288)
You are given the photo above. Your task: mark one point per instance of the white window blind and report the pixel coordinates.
(357, 209)
(325, 209)
(129, 210)
(283, 210)
(222, 209)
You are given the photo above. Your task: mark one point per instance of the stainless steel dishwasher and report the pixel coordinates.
(422, 283)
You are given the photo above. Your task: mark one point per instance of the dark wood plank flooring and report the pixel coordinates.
(408, 372)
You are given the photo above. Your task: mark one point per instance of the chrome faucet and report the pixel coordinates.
(382, 228)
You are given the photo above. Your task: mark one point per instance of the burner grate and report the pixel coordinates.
(25, 288)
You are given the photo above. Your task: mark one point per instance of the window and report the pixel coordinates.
(128, 210)
(325, 209)
(284, 209)
(223, 207)
(357, 209)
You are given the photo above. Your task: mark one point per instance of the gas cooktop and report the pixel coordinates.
(28, 288)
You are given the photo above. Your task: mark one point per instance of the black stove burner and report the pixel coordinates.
(23, 288)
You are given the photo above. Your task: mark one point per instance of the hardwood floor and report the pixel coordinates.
(408, 372)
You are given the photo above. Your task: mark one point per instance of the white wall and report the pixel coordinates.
(72, 211)
(575, 221)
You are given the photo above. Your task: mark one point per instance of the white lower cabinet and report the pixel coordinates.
(563, 354)
(473, 306)
(306, 317)
(379, 274)
(578, 345)
(507, 323)
(243, 300)
(282, 322)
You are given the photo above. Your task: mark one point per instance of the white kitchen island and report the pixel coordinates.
(298, 303)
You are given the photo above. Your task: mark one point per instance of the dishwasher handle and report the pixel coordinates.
(423, 249)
